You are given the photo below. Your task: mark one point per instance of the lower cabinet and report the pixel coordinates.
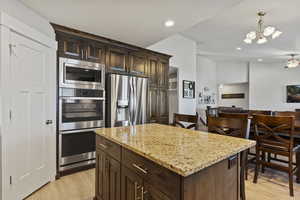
(108, 173)
(132, 185)
(151, 193)
(130, 176)
(135, 188)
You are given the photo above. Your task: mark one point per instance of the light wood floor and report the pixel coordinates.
(80, 186)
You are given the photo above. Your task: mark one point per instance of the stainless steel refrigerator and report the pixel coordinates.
(126, 100)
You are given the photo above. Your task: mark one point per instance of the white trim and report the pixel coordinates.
(25, 30)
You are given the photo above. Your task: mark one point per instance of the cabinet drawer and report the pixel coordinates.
(160, 177)
(111, 148)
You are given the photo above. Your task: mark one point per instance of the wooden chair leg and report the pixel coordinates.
(263, 157)
(291, 183)
(269, 157)
(257, 165)
(291, 176)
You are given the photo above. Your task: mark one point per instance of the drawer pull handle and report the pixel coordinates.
(140, 168)
(103, 146)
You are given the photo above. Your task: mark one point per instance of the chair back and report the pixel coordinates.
(271, 131)
(192, 121)
(236, 125)
(259, 112)
(288, 113)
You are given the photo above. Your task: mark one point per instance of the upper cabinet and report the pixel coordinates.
(138, 63)
(117, 59)
(163, 71)
(152, 70)
(69, 46)
(94, 51)
(122, 58)
(77, 48)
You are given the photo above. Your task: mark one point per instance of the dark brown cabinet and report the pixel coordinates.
(138, 63)
(152, 193)
(142, 179)
(152, 70)
(77, 48)
(132, 185)
(117, 59)
(100, 174)
(163, 106)
(108, 182)
(152, 107)
(163, 70)
(69, 46)
(94, 52)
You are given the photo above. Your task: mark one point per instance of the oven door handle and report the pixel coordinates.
(76, 131)
(83, 98)
(85, 65)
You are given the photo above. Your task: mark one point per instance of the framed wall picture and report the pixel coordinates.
(293, 94)
(233, 96)
(188, 89)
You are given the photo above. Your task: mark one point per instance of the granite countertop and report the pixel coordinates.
(181, 150)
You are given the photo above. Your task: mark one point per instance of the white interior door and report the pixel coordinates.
(30, 106)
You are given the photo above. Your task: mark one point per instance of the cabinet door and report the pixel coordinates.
(113, 179)
(116, 59)
(132, 185)
(151, 193)
(70, 47)
(152, 71)
(100, 174)
(94, 52)
(163, 70)
(152, 105)
(163, 106)
(138, 63)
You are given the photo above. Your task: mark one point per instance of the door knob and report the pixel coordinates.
(49, 122)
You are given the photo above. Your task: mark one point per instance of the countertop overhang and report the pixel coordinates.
(182, 151)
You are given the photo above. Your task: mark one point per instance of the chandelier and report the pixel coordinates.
(263, 32)
(292, 62)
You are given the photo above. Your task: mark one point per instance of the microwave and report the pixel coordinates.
(81, 74)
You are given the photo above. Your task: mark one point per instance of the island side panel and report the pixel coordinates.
(217, 182)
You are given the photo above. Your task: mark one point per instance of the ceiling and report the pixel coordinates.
(219, 36)
(139, 22)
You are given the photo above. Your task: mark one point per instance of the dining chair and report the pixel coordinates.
(259, 112)
(186, 121)
(235, 125)
(269, 140)
(288, 113)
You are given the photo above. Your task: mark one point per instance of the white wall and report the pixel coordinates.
(267, 90)
(206, 77)
(183, 51)
(21, 12)
(232, 72)
(233, 89)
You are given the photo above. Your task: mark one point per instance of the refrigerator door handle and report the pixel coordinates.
(130, 101)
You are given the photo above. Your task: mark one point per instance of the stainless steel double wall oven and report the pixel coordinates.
(81, 110)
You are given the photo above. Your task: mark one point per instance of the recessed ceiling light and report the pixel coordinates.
(238, 48)
(260, 60)
(169, 23)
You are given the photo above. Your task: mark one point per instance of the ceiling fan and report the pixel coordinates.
(292, 62)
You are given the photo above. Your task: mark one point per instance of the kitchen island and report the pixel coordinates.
(159, 162)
